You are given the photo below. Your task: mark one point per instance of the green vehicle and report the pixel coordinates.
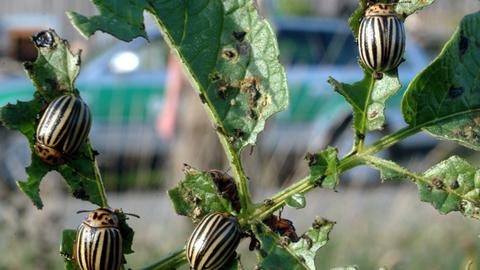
(124, 87)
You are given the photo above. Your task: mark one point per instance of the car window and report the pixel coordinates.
(152, 56)
(317, 48)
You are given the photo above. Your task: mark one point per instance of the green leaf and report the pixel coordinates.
(276, 253)
(66, 249)
(323, 167)
(53, 74)
(315, 238)
(297, 200)
(232, 55)
(444, 99)
(121, 18)
(357, 16)
(454, 185)
(197, 195)
(367, 98)
(126, 232)
(229, 51)
(21, 116)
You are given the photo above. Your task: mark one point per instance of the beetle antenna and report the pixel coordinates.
(398, 2)
(280, 213)
(83, 211)
(133, 215)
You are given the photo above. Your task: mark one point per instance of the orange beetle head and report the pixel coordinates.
(380, 10)
(101, 217)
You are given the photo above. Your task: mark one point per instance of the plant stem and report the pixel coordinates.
(98, 178)
(302, 186)
(306, 184)
(362, 132)
(348, 162)
(170, 262)
(239, 175)
(390, 140)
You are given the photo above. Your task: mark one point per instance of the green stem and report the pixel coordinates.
(362, 131)
(302, 186)
(98, 178)
(241, 179)
(390, 140)
(306, 184)
(348, 162)
(172, 261)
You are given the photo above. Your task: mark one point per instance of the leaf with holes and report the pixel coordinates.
(367, 98)
(229, 51)
(275, 253)
(454, 185)
(53, 73)
(197, 195)
(312, 240)
(444, 99)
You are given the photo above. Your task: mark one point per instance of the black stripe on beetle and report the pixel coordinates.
(98, 244)
(62, 129)
(213, 242)
(381, 38)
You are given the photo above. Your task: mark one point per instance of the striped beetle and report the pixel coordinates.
(62, 130)
(381, 39)
(213, 241)
(98, 245)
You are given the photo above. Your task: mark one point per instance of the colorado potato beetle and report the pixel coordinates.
(213, 241)
(98, 244)
(226, 187)
(381, 39)
(62, 130)
(282, 226)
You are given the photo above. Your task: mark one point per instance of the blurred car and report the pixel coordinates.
(124, 87)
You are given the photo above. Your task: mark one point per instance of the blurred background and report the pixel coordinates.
(148, 122)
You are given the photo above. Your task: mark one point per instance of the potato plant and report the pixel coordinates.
(231, 56)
